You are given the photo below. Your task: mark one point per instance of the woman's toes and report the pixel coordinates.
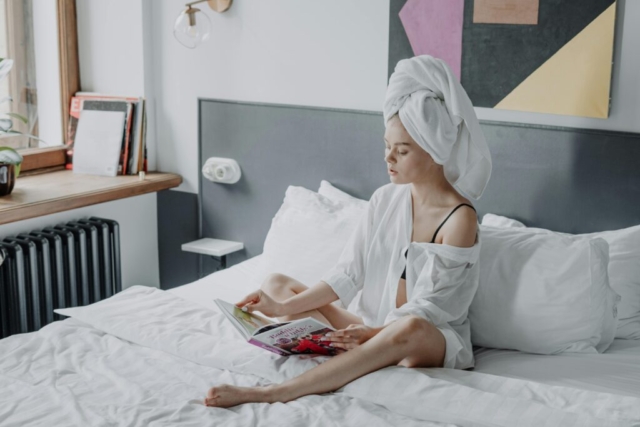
(212, 392)
(227, 395)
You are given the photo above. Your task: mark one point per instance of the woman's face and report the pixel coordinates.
(406, 161)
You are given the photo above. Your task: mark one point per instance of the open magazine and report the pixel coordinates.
(302, 336)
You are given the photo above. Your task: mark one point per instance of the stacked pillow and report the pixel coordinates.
(539, 292)
(623, 269)
(542, 293)
(308, 233)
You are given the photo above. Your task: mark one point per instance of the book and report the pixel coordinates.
(143, 158)
(138, 132)
(116, 105)
(98, 142)
(301, 336)
(134, 136)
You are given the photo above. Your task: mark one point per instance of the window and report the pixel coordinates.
(17, 43)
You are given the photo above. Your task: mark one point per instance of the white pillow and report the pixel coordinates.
(328, 190)
(542, 293)
(624, 270)
(501, 221)
(307, 235)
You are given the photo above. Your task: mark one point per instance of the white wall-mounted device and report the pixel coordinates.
(218, 169)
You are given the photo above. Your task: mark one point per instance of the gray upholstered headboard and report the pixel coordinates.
(570, 180)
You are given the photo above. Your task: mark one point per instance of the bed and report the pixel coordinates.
(617, 371)
(147, 356)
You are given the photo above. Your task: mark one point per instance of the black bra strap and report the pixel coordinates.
(445, 220)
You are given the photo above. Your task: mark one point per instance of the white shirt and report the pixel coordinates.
(441, 280)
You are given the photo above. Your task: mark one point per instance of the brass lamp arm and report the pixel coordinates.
(217, 5)
(194, 2)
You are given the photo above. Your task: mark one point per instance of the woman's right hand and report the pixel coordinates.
(262, 302)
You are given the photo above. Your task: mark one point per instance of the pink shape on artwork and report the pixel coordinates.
(434, 27)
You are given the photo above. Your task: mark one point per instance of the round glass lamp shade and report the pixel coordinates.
(192, 27)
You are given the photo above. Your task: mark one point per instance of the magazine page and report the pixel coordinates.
(302, 336)
(246, 323)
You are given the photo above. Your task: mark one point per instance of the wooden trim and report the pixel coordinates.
(36, 158)
(69, 65)
(52, 192)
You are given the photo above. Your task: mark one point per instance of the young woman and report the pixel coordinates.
(413, 256)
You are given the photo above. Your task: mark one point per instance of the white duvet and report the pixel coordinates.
(146, 357)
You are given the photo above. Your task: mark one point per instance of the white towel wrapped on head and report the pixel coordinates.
(439, 116)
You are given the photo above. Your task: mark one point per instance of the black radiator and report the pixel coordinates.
(67, 265)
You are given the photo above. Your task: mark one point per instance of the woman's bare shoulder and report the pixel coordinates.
(461, 228)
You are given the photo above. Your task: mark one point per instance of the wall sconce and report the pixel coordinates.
(192, 27)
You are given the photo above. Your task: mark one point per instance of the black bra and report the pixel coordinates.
(404, 273)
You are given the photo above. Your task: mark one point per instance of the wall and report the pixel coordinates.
(331, 53)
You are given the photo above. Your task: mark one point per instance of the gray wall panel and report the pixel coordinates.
(277, 146)
(569, 180)
(177, 224)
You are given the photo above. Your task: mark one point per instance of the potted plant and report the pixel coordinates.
(10, 159)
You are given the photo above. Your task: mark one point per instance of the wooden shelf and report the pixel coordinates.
(51, 192)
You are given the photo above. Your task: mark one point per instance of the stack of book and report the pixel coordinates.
(133, 151)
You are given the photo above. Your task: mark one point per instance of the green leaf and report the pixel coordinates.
(5, 67)
(12, 133)
(23, 119)
(11, 156)
(9, 133)
(6, 125)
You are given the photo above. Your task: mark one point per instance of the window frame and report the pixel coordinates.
(54, 158)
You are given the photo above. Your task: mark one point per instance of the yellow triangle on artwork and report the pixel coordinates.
(576, 80)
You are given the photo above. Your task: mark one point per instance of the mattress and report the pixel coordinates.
(615, 371)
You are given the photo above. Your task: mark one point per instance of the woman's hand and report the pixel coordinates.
(262, 302)
(352, 336)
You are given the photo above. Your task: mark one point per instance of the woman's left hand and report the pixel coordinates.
(351, 337)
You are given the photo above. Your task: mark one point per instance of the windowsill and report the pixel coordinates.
(47, 193)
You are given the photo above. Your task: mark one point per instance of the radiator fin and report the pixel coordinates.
(66, 265)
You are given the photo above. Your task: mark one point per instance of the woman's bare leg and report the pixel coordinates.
(410, 341)
(281, 287)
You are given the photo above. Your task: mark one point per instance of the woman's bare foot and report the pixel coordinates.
(225, 396)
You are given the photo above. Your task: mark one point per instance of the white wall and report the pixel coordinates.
(322, 53)
(330, 53)
(111, 61)
(110, 46)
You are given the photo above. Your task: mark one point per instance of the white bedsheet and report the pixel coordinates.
(616, 371)
(230, 284)
(147, 357)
